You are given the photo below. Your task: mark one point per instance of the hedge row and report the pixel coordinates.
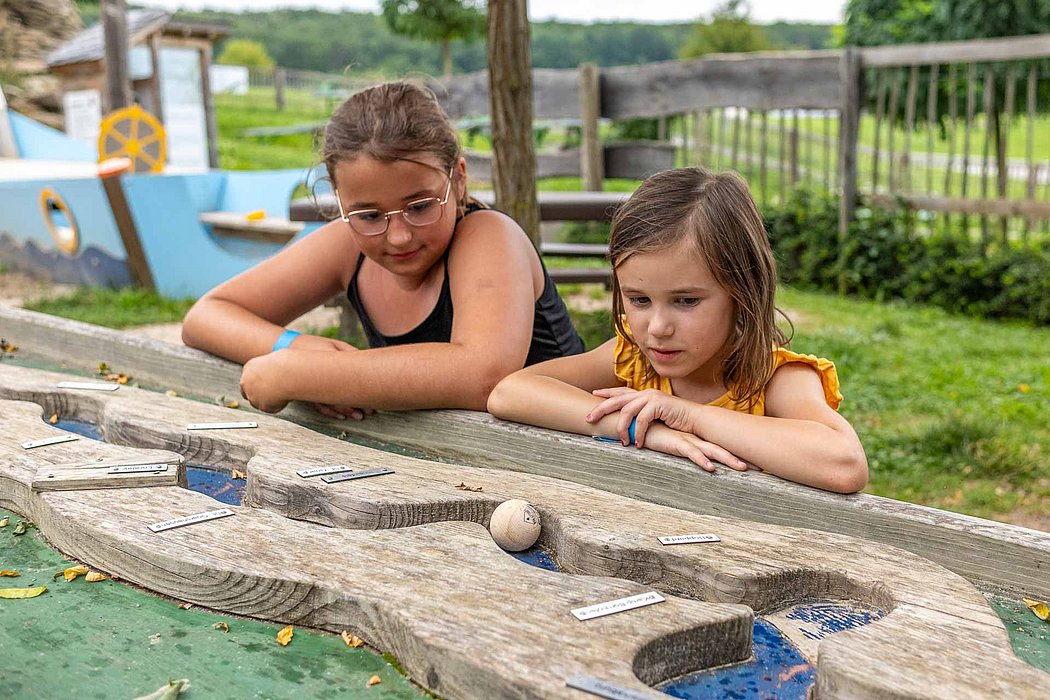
(886, 258)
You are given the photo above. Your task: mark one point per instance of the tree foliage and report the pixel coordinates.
(441, 21)
(729, 31)
(245, 52)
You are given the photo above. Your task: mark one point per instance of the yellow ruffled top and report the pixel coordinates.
(632, 367)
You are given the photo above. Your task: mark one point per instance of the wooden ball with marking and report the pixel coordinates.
(515, 525)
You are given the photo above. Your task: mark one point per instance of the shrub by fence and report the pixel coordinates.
(887, 258)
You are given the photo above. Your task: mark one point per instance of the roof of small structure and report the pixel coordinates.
(89, 45)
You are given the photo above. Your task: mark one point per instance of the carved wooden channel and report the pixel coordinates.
(404, 560)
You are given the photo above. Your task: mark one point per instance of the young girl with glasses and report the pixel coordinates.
(452, 297)
(698, 367)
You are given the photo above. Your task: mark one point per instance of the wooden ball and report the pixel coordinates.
(515, 525)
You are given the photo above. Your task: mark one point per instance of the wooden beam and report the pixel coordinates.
(592, 165)
(115, 30)
(209, 108)
(995, 50)
(129, 235)
(960, 205)
(985, 552)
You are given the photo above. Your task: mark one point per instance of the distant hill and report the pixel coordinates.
(330, 42)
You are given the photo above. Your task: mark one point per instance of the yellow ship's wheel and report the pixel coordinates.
(133, 133)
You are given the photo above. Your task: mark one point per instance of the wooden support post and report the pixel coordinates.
(115, 32)
(700, 138)
(793, 151)
(110, 172)
(279, 77)
(154, 57)
(209, 109)
(510, 95)
(849, 129)
(8, 145)
(592, 164)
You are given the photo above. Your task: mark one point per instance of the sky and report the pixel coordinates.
(762, 11)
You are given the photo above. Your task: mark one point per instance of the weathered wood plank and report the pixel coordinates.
(479, 639)
(1004, 49)
(959, 205)
(983, 551)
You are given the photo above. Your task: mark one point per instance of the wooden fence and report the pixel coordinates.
(789, 119)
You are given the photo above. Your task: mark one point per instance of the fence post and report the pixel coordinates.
(115, 36)
(849, 126)
(592, 162)
(278, 88)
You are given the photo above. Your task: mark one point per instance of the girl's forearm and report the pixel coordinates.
(421, 375)
(547, 402)
(227, 330)
(804, 451)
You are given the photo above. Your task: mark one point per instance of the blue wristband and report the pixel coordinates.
(285, 339)
(630, 434)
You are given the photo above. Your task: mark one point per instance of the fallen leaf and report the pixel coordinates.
(8, 572)
(352, 640)
(74, 571)
(3, 521)
(53, 419)
(792, 671)
(15, 593)
(103, 368)
(21, 527)
(233, 404)
(221, 626)
(185, 606)
(285, 636)
(6, 346)
(118, 378)
(94, 577)
(1038, 608)
(238, 474)
(374, 680)
(464, 487)
(168, 691)
(170, 392)
(1023, 388)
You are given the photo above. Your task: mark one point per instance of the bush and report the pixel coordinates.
(884, 258)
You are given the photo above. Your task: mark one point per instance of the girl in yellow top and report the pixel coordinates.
(698, 367)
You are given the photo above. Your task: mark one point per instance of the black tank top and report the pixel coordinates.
(553, 334)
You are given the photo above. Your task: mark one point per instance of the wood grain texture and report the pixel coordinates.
(375, 551)
(1012, 558)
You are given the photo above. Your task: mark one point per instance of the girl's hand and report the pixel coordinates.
(699, 451)
(643, 407)
(260, 383)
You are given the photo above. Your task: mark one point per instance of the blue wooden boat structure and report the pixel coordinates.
(56, 220)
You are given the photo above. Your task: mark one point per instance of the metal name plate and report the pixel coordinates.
(617, 606)
(138, 469)
(605, 689)
(222, 426)
(378, 471)
(89, 386)
(191, 519)
(49, 441)
(689, 539)
(307, 473)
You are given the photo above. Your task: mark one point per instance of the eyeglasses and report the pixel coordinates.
(421, 212)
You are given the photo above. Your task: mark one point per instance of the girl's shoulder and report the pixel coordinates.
(825, 369)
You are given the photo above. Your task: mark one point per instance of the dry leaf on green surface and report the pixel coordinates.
(3, 521)
(17, 593)
(8, 572)
(352, 640)
(94, 577)
(221, 626)
(285, 636)
(1038, 608)
(74, 571)
(374, 680)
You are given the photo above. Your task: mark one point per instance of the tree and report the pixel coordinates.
(729, 31)
(245, 52)
(442, 21)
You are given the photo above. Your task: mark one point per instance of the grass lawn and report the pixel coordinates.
(114, 308)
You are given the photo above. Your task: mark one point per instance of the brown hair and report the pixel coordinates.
(388, 122)
(718, 213)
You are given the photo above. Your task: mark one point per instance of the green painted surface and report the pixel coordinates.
(1029, 635)
(111, 640)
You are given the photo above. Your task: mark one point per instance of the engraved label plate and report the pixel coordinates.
(378, 471)
(689, 539)
(49, 441)
(307, 473)
(605, 689)
(617, 606)
(191, 519)
(89, 386)
(222, 426)
(138, 469)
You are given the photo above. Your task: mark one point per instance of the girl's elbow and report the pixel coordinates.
(852, 474)
(498, 401)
